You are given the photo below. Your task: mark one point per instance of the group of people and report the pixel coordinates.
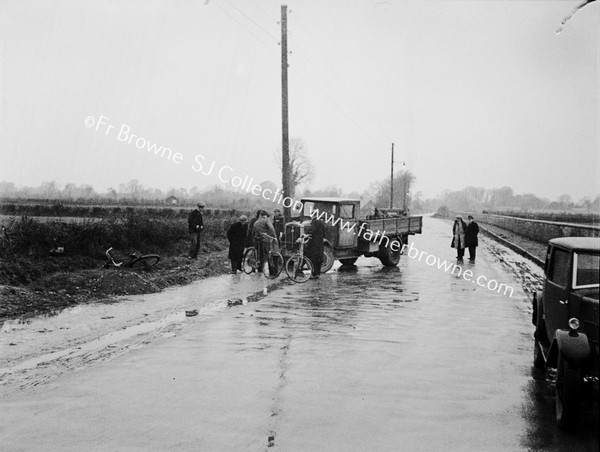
(261, 232)
(464, 235)
(265, 234)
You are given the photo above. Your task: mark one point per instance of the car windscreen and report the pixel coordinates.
(347, 211)
(586, 272)
(315, 208)
(559, 268)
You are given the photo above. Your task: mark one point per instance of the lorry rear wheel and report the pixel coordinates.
(389, 257)
(328, 259)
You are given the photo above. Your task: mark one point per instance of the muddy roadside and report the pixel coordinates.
(56, 291)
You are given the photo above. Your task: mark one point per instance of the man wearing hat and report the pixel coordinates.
(263, 232)
(278, 223)
(195, 227)
(236, 234)
(471, 240)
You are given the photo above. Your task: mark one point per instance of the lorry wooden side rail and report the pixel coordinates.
(347, 237)
(394, 226)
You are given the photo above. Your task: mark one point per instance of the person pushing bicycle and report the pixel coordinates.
(263, 232)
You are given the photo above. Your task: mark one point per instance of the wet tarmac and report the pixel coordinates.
(411, 358)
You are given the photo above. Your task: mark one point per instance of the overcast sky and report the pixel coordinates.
(482, 93)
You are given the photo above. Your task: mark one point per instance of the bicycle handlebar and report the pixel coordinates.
(304, 238)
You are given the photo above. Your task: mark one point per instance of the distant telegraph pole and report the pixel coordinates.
(405, 186)
(285, 144)
(392, 181)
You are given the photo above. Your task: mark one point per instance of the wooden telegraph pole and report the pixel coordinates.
(285, 144)
(405, 186)
(392, 181)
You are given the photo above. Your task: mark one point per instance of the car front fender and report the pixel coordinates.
(574, 346)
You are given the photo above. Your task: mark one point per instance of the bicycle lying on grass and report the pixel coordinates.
(134, 260)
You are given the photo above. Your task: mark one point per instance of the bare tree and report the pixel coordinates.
(402, 183)
(49, 190)
(301, 168)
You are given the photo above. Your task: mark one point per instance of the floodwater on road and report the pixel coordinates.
(364, 358)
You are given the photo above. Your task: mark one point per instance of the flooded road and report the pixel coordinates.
(365, 358)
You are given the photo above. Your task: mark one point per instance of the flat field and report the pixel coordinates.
(33, 281)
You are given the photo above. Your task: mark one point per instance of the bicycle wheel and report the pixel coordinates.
(274, 265)
(250, 261)
(299, 268)
(147, 261)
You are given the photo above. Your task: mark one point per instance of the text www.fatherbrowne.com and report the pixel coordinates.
(226, 175)
(381, 238)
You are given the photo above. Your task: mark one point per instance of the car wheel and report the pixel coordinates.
(569, 379)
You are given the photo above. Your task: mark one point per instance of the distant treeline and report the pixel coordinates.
(53, 209)
(477, 199)
(98, 201)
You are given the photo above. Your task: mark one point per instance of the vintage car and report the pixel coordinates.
(565, 314)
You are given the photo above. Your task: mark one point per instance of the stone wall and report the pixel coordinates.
(538, 230)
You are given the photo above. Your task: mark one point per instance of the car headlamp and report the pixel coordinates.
(574, 323)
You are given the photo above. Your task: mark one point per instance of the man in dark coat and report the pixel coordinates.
(195, 228)
(471, 240)
(236, 234)
(314, 248)
(278, 223)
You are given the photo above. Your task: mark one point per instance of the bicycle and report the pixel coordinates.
(134, 260)
(274, 261)
(298, 267)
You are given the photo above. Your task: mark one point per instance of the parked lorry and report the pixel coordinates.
(565, 315)
(347, 237)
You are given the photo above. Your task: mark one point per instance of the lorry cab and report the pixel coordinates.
(340, 216)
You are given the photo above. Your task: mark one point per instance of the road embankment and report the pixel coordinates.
(56, 291)
(539, 230)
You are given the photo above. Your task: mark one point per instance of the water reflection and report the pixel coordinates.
(542, 432)
(340, 302)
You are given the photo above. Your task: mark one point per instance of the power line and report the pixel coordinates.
(252, 20)
(329, 99)
(260, 8)
(319, 47)
(302, 72)
(245, 28)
